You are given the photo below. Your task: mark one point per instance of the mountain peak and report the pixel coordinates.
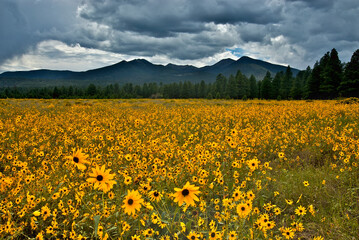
(224, 62)
(245, 58)
(139, 71)
(140, 60)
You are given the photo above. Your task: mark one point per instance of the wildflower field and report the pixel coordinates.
(178, 169)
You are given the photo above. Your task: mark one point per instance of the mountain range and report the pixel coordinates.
(140, 71)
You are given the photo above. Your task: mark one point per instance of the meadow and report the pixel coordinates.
(179, 169)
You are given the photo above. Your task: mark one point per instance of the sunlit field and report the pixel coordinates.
(178, 169)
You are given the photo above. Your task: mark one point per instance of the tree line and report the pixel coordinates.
(329, 79)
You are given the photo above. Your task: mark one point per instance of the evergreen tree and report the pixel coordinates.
(243, 85)
(79, 93)
(43, 93)
(56, 93)
(296, 91)
(71, 92)
(116, 90)
(137, 91)
(276, 85)
(286, 83)
(314, 82)
(154, 89)
(266, 86)
(191, 89)
(202, 90)
(127, 90)
(349, 87)
(331, 75)
(91, 90)
(184, 90)
(220, 86)
(145, 90)
(175, 90)
(232, 86)
(305, 78)
(253, 92)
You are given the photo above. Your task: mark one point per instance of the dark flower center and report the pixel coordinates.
(185, 192)
(76, 159)
(156, 194)
(213, 234)
(243, 208)
(130, 201)
(193, 237)
(99, 178)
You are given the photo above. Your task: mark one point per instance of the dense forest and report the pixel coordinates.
(328, 79)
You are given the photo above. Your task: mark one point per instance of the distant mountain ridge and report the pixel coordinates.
(140, 71)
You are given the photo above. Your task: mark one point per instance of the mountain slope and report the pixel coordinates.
(139, 71)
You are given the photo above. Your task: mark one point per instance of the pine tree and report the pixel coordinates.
(266, 86)
(286, 83)
(332, 76)
(259, 88)
(56, 93)
(296, 91)
(91, 90)
(349, 87)
(202, 89)
(314, 82)
(243, 85)
(253, 92)
(232, 87)
(276, 85)
(220, 86)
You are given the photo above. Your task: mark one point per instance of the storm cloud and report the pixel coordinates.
(294, 32)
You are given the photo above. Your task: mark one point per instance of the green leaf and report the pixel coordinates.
(57, 188)
(96, 220)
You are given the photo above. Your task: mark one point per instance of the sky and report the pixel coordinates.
(84, 34)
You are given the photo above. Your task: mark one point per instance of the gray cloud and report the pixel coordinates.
(164, 18)
(23, 24)
(14, 31)
(181, 29)
(295, 32)
(319, 26)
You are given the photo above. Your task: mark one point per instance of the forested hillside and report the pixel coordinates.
(328, 79)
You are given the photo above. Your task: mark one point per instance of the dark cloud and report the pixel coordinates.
(15, 36)
(250, 32)
(233, 12)
(23, 24)
(295, 32)
(181, 29)
(165, 18)
(318, 4)
(319, 26)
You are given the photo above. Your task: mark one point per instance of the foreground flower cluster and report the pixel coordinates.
(166, 169)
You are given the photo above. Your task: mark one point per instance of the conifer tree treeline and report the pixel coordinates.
(328, 79)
